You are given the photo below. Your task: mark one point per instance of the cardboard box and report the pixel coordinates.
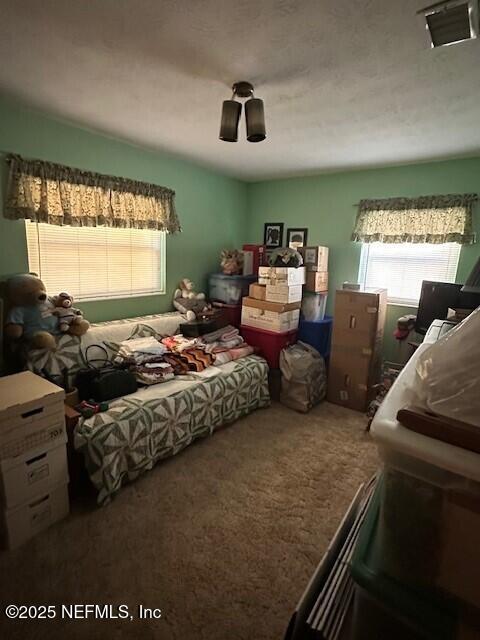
(356, 356)
(316, 281)
(257, 291)
(350, 377)
(270, 320)
(278, 307)
(23, 522)
(281, 275)
(32, 473)
(283, 293)
(359, 317)
(31, 413)
(315, 258)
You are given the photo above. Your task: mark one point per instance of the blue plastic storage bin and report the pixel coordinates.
(318, 334)
(229, 289)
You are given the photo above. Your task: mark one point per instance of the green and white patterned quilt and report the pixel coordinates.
(156, 422)
(140, 429)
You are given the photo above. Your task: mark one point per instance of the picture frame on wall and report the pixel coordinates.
(273, 235)
(297, 238)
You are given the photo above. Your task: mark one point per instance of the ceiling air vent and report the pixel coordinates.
(451, 21)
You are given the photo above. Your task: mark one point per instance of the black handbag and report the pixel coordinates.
(103, 381)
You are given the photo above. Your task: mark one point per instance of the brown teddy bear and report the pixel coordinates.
(70, 319)
(31, 313)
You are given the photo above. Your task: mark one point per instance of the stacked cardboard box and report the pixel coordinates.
(274, 302)
(271, 311)
(273, 316)
(33, 457)
(315, 260)
(355, 361)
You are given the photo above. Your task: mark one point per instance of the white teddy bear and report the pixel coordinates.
(188, 302)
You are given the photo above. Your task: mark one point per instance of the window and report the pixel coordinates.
(400, 268)
(94, 263)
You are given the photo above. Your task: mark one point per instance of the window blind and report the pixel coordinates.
(94, 263)
(401, 268)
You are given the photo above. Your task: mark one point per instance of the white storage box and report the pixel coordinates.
(31, 413)
(430, 509)
(270, 320)
(32, 473)
(314, 306)
(281, 275)
(25, 521)
(283, 293)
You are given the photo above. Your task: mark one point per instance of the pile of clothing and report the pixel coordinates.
(145, 358)
(154, 361)
(225, 345)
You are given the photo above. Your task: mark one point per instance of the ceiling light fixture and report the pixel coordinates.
(254, 115)
(451, 21)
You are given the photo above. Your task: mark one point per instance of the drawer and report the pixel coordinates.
(49, 429)
(37, 413)
(32, 473)
(25, 521)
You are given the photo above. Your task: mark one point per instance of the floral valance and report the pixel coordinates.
(428, 219)
(52, 193)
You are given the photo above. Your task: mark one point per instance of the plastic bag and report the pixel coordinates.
(304, 378)
(448, 373)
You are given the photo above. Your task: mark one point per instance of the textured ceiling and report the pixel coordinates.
(346, 83)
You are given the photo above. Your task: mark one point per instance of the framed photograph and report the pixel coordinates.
(297, 238)
(273, 235)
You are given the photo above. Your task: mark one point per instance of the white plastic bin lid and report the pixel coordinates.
(389, 433)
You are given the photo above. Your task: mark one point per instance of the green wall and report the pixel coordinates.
(216, 211)
(325, 204)
(211, 207)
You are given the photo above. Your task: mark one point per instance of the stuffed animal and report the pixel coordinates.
(231, 261)
(30, 316)
(70, 319)
(188, 302)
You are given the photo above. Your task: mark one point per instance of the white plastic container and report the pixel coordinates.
(314, 306)
(430, 509)
(428, 459)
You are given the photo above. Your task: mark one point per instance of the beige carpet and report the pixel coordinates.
(222, 538)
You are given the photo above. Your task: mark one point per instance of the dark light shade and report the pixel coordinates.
(255, 120)
(231, 111)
